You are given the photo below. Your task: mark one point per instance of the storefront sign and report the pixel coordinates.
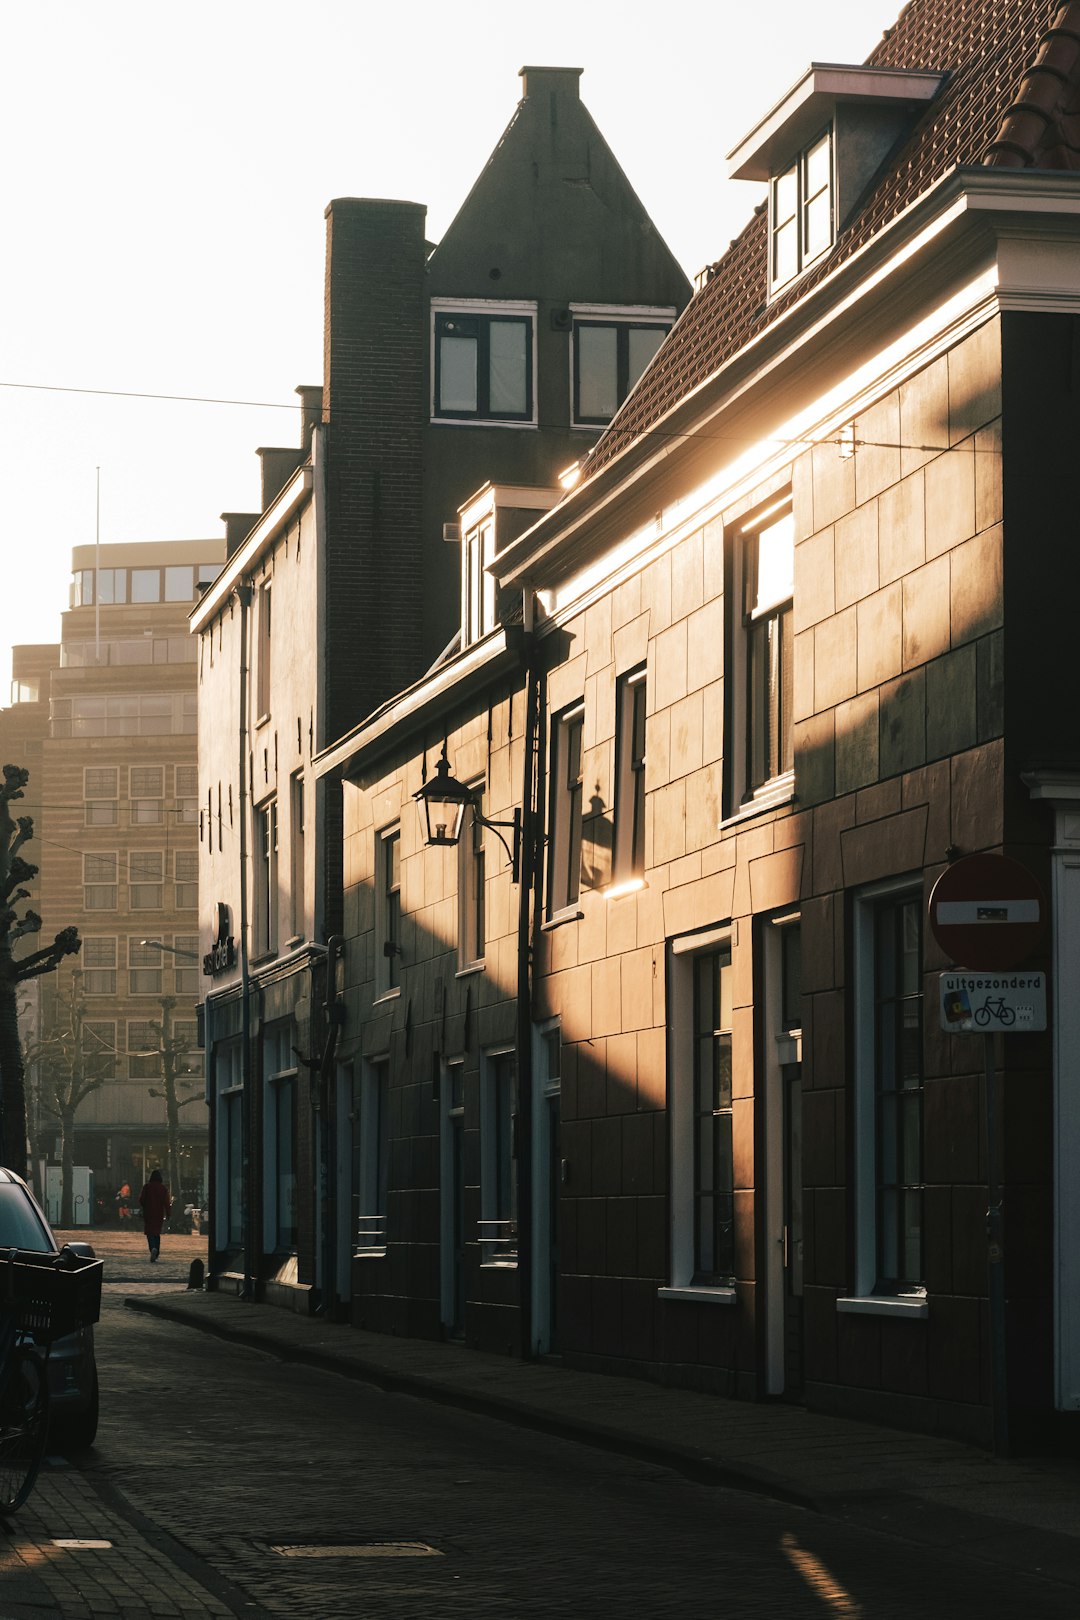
(222, 954)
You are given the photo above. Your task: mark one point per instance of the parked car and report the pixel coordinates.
(73, 1378)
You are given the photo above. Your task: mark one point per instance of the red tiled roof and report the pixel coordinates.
(1012, 96)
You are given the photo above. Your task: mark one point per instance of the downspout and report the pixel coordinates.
(243, 596)
(328, 1135)
(524, 1040)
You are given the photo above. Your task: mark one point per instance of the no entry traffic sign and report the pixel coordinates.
(987, 911)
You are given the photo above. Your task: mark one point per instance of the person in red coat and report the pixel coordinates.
(155, 1203)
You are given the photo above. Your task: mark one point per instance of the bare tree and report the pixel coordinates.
(72, 1064)
(171, 1049)
(14, 873)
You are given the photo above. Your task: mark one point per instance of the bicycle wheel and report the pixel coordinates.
(24, 1424)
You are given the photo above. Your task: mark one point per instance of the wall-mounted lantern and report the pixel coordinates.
(443, 801)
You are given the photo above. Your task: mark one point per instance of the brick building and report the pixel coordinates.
(504, 348)
(678, 1102)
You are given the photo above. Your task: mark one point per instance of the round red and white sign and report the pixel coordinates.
(987, 911)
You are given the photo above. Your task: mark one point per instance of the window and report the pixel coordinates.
(266, 853)
(483, 363)
(298, 855)
(762, 755)
(185, 1033)
(371, 1147)
(609, 357)
(99, 882)
(700, 1117)
(801, 212)
(146, 584)
(280, 1071)
(629, 858)
(146, 871)
(112, 585)
(498, 1158)
(144, 1051)
(889, 1092)
(144, 969)
(186, 964)
(146, 812)
(180, 583)
(99, 793)
(187, 879)
(262, 651)
(125, 715)
(388, 911)
(187, 781)
(99, 1047)
(477, 586)
(146, 781)
(230, 1127)
(99, 966)
(471, 880)
(564, 856)
(82, 588)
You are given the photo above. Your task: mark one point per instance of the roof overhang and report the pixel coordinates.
(997, 223)
(245, 557)
(811, 103)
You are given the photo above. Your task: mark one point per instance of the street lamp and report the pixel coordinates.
(174, 950)
(443, 801)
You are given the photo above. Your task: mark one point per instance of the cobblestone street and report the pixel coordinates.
(227, 1482)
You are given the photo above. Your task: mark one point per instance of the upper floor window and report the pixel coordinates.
(477, 586)
(761, 642)
(629, 861)
(610, 354)
(263, 651)
(801, 211)
(471, 884)
(387, 910)
(564, 854)
(266, 867)
(483, 363)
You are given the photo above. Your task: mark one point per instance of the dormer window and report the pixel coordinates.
(801, 211)
(482, 361)
(495, 516)
(821, 149)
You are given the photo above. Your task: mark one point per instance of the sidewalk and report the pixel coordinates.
(1022, 1515)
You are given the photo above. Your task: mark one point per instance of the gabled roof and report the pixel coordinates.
(1012, 72)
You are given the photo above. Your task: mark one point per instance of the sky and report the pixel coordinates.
(163, 184)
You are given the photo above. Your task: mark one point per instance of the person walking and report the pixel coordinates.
(155, 1203)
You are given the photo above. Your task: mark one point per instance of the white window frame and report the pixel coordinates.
(144, 969)
(683, 954)
(99, 894)
(371, 1140)
(477, 585)
(487, 310)
(798, 173)
(628, 855)
(622, 317)
(743, 796)
(99, 977)
(265, 851)
(499, 1210)
(279, 1070)
(146, 872)
(472, 886)
(388, 912)
(567, 806)
(869, 1295)
(263, 627)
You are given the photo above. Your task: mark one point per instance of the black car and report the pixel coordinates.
(73, 1379)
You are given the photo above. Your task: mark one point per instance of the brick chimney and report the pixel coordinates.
(375, 346)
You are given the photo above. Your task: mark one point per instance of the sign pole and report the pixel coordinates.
(995, 1238)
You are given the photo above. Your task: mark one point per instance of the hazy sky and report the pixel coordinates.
(164, 175)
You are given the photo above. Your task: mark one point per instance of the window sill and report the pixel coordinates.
(698, 1295)
(560, 918)
(469, 969)
(498, 1265)
(370, 1254)
(480, 422)
(914, 1306)
(386, 995)
(293, 941)
(263, 720)
(263, 957)
(775, 793)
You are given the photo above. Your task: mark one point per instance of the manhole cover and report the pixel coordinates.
(359, 1549)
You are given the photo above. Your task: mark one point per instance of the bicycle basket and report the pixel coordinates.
(50, 1295)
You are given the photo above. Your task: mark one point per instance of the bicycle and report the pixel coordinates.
(42, 1298)
(994, 1007)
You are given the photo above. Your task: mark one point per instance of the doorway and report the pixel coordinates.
(782, 1092)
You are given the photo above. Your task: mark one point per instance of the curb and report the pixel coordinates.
(693, 1464)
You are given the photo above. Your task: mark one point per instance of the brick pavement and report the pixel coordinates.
(1022, 1515)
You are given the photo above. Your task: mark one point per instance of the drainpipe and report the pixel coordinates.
(328, 1132)
(243, 595)
(524, 1041)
